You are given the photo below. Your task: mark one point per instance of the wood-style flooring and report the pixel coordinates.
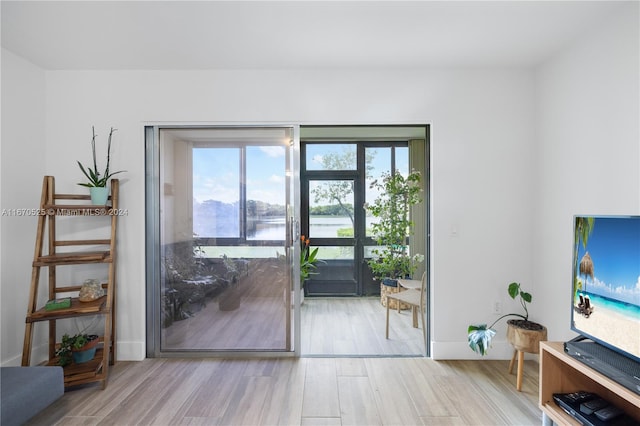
(356, 326)
(330, 326)
(259, 318)
(251, 315)
(304, 391)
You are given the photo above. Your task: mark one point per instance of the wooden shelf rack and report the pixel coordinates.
(47, 256)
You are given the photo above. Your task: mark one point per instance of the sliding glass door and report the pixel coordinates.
(224, 269)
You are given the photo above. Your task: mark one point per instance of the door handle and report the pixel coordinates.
(295, 231)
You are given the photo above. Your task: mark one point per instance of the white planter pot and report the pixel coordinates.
(99, 195)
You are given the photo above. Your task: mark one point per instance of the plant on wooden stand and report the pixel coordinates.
(394, 225)
(95, 178)
(392, 208)
(480, 336)
(73, 345)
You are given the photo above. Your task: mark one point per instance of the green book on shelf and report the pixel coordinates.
(54, 304)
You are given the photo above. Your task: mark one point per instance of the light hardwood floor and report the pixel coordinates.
(355, 326)
(304, 391)
(330, 326)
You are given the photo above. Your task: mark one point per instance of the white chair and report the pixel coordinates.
(415, 296)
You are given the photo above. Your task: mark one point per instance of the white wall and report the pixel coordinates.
(482, 139)
(588, 150)
(22, 168)
(503, 145)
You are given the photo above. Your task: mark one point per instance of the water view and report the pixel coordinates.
(320, 227)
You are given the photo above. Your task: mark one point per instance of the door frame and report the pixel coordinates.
(384, 132)
(150, 133)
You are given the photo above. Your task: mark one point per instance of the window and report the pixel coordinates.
(236, 193)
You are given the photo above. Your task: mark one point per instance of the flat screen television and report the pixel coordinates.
(606, 282)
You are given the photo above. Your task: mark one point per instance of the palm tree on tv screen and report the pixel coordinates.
(584, 227)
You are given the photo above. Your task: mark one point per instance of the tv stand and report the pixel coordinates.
(560, 373)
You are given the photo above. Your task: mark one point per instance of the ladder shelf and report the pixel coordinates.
(73, 252)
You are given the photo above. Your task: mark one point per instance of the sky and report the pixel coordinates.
(216, 172)
(614, 247)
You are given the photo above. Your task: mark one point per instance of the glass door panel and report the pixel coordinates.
(378, 160)
(331, 209)
(226, 273)
(337, 156)
(331, 227)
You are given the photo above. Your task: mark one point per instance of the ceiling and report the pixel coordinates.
(194, 35)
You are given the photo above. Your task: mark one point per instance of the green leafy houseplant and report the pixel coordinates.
(480, 336)
(97, 179)
(392, 208)
(308, 260)
(75, 343)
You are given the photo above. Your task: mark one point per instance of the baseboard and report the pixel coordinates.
(499, 350)
(131, 351)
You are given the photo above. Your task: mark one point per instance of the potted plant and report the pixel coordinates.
(392, 208)
(79, 348)
(308, 260)
(97, 183)
(524, 335)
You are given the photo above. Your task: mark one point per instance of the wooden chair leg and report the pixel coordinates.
(414, 311)
(387, 332)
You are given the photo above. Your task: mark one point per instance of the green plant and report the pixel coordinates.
(480, 336)
(73, 343)
(96, 179)
(392, 208)
(308, 260)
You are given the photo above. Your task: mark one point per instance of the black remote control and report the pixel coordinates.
(608, 413)
(580, 396)
(593, 405)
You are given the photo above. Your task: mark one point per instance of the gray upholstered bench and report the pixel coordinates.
(28, 390)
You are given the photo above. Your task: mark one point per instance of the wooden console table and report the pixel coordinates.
(560, 373)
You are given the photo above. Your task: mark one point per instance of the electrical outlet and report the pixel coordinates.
(497, 307)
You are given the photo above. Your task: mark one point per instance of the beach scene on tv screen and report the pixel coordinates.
(607, 280)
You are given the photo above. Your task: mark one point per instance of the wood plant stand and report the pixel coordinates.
(523, 341)
(74, 252)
